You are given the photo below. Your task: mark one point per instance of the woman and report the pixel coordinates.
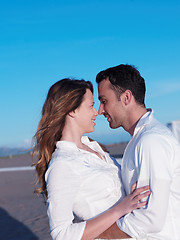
(80, 180)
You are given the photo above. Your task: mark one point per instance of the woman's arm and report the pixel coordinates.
(114, 232)
(101, 223)
(62, 186)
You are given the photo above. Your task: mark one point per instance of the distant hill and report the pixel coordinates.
(116, 150)
(6, 151)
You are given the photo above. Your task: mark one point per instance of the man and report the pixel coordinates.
(152, 157)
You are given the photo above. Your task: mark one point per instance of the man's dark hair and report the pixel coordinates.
(123, 77)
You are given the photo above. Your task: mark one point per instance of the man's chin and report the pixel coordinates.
(111, 125)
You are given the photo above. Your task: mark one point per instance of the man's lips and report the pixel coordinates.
(107, 116)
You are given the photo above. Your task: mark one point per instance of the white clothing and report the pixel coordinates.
(174, 126)
(152, 157)
(80, 185)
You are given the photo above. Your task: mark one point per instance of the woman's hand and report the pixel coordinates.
(134, 199)
(98, 225)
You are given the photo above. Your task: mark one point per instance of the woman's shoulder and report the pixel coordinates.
(61, 156)
(62, 161)
(67, 153)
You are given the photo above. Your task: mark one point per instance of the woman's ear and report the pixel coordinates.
(72, 114)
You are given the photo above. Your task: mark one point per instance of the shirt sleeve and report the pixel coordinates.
(62, 186)
(153, 157)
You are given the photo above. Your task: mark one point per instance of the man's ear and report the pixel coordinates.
(127, 97)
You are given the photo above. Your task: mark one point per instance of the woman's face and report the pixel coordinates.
(85, 114)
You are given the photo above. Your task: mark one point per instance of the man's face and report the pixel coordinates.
(110, 106)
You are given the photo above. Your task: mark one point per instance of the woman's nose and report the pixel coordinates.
(96, 113)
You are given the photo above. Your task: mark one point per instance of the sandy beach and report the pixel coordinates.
(22, 213)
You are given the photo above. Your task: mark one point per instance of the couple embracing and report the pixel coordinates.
(88, 195)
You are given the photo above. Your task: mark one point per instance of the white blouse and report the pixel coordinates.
(80, 186)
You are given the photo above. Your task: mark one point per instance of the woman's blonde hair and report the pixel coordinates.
(63, 97)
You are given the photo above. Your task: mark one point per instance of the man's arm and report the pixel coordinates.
(113, 233)
(153, 155)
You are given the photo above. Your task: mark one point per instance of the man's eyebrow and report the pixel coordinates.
(100, 97)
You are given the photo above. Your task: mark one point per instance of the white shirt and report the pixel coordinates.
(152, 157)
(80, 185)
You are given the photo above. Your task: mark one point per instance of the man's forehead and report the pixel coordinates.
(104, 86)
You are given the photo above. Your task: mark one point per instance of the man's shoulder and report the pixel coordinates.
(154, 134)
(155, 128)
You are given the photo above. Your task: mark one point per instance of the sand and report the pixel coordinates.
(22, 213)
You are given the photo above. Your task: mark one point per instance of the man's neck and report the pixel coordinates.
(134, 118)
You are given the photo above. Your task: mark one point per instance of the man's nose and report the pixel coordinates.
(101, 109)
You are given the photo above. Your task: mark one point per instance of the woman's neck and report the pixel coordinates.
(72, 135)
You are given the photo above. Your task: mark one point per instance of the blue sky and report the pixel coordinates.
(44, 41)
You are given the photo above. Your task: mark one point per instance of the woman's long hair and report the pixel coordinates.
(63, 97)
